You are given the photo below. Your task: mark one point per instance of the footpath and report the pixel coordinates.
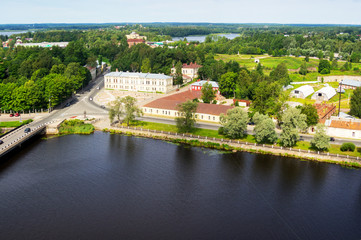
(234, 145)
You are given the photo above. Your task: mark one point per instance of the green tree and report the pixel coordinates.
(320, 141)
(293, 121)
(355, 103)
(264, 129)
(234, 123)
(178, 73)
(146, 66)
(115, 110)
(265, 97)
(186, 119)
(227, 84)
(131, 110)
(303, 69)
(280, 74)
(307, 58)
(311, 114)
(324, 64)
(334, 64)
(208, 94)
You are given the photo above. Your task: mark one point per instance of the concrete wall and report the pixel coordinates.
(173, 114)
(344, 133)
(337, 78)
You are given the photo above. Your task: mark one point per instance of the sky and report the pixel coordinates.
(214, 11)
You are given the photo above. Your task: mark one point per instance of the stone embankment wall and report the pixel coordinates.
(249, 147)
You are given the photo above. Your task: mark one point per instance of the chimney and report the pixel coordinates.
(117, 70)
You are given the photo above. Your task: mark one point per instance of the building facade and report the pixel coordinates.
(189, 71)
(138, 82)
(197, 86)
(343, 127)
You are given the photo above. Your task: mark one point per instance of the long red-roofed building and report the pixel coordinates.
(168, 107)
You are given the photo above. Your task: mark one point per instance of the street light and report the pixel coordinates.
(50, 104)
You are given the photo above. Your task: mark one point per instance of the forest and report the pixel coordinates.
(29, 77)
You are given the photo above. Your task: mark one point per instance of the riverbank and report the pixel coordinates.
(230, 145)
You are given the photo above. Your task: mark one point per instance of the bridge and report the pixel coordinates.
(81, 103)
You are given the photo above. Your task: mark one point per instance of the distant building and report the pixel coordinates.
(43, 44)
(350, 84)
(168, 107)
(324, 94)
(302, 92)
(189, 71)
(197, 86)
(132, 81)
(132, 42)
(135, 35)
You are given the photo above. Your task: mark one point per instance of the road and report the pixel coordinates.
(82, 102)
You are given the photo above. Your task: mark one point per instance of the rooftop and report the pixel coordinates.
(138, 75)
(191, 65)
(200, 83)
(351, 82)
(171, 103)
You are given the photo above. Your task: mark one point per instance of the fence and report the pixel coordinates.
(224, 141)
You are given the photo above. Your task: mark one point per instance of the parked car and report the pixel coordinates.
(17, 114)
(102, 106)
(27, 130)
(11, 115)
(67, 105)
(1, 142)
(332, 139)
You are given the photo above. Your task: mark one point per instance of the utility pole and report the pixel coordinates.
(339, 100)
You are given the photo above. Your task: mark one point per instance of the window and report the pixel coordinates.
(214, 118)
(353, 134)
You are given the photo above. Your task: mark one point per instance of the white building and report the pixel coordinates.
(324, 94)
(344, 127)
(140, 82)
(302, 92)
(43, 44)
(189, 71)
(135, 35)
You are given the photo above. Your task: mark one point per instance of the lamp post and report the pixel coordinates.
(339, 100)
(49, 104)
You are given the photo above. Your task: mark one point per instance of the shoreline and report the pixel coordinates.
(231, 146)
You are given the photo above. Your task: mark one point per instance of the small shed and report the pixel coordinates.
(302, 92)
(324, 94)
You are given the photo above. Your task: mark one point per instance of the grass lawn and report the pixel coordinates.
(14, 123)
(196, 131)
(76, 127)
(303, 145)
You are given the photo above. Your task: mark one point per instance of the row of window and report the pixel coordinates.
(160, 89)
(141, 82)
(166, 112)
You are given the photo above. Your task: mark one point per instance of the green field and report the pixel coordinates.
(13, 124)
(75, 127)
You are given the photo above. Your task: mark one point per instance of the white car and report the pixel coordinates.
(91, 99)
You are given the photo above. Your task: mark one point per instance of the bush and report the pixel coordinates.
(214, 102)
(359, 150)
(325, 71)
(347, 147)
(221, 131)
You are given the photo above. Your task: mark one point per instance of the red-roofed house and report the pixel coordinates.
(132, 42)
(168, 107)
(344, 127)
(189, 70)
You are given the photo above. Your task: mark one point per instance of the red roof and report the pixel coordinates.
(171, 103)
(347, 124)
(136, 40)
(191, 65)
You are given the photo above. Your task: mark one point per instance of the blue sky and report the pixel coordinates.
(220, 11)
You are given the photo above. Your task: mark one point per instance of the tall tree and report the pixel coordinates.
(146, 66)
(320, 141)
(264, 129)
(186, 119)
(131, 110)
(115, 110)
(227, 84)
(234, 123)
(178, 73)
(208, 94)
(293, 121)
(324, 67)
(355, 103)
(311, 114)
(280, 74)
